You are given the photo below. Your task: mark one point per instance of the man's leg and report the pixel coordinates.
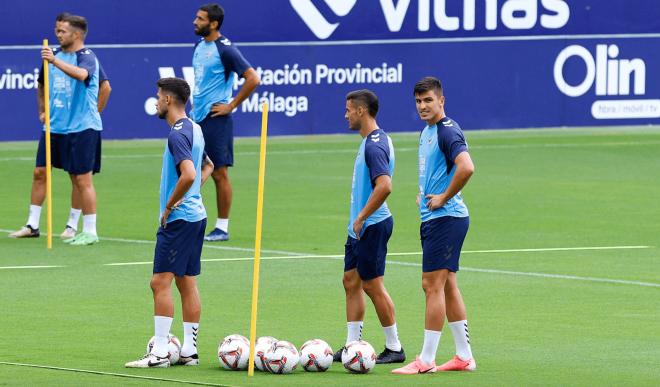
(385, 310)
(88, 194)
(76, 210)
(161, 286)
(36, 201)
(457, 318)
(355, 304)
(192, 308)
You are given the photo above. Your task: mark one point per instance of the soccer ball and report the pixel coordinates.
(315, 356)
(281, 358)
(234, 353)
(260, 347)
(173, 347)
(234, 338)
(359, 357)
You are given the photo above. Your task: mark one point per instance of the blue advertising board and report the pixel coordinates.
(503, 63)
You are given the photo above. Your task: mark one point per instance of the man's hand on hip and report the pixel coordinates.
(221, 109)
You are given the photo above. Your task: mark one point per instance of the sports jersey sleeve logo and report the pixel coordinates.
(375, 137)
(178, 126)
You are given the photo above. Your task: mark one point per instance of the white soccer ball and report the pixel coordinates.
(234, 338)
(262, 345)
(359, 357)
(281, 358)
(173, 347)
(234, 353)
(315, 356)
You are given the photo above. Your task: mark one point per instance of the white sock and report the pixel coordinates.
(189, 339)
(392, 338)
(431, 341)
(354, 331)
(222, 224)
(460, 331)
(163, 325)
(89, 224)
(74, 218)
(35, 215)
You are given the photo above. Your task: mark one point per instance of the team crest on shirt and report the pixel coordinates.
(208, 55)
(430, 141)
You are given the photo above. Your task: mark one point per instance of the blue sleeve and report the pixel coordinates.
(87, 61)
(233, 60)
(180, 146)
(102, 76)
(41, 74)
(204, 156)
(376, 155)
(452, 144)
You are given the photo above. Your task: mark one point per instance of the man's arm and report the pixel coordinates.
(186, 181)
(251, 82)
(207, 169)
(104, 94)
(41, 101)
(75, 72)
(382, 190)
(464, 170)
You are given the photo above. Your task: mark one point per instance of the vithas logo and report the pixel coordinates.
(613, 76)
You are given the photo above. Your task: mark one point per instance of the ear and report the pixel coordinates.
(442, 101)
(214, 26)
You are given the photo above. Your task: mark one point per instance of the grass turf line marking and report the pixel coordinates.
(207, 246)
(114, 374)
(567, 145)
(28, 267)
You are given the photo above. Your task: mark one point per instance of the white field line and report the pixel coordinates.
(322, 151)
(113, 374)
(205, 245)
(28, 267)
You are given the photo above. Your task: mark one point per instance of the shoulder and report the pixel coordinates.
(85, 53)
(448, 128)
(198, 42)
(377, 141)
(226, 47)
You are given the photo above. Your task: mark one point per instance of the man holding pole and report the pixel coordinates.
(75, 127)
(180, 237)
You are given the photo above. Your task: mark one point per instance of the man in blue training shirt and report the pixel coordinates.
(183, 221)
(445, 167)
(370, 227)
(216, 62)
(79, 92)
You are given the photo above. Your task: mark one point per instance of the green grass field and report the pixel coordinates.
(530, 324)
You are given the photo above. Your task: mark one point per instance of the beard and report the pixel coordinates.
(203, 31)
(162, 114)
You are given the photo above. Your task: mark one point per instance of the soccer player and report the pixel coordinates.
(370, 227)
(183, 221)
(445, 167)
(216, 62)
(75, 104)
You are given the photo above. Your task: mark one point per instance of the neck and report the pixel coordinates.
(174, 115)
(436, 119)
(368, 126)
(76, 46)
(212, 37)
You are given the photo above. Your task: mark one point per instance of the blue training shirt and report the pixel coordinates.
(438, 147)
(73, 104)
(184, 142)
(375, 157)
(216, 64)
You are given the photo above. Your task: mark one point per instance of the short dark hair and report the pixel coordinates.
(77, 22)
(176, 87)
(428, 83)
(215, 11)
(366, 98)
(62, 16)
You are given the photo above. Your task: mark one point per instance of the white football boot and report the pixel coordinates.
(150, 361)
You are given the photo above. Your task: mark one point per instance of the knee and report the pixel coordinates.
(40, 174)
(372, 289)
(350, 285)
(429, 287)
(220, 175)
(157, 285)
(83, 182)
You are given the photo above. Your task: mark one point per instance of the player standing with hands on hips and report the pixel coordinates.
(445, 167)
(216, 62)
(370, 227)
(180, 237)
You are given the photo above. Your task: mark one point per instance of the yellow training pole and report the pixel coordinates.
(257, 244)
(49, 196)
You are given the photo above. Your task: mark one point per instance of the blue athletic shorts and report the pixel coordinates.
(442, 240)
(58, 154)
(369, 253)
(84, 152)
(219, 139)
(179, 248)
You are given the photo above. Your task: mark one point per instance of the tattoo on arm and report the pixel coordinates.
(206, 161)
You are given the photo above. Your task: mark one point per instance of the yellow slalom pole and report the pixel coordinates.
(49, 194)
(257, 244)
